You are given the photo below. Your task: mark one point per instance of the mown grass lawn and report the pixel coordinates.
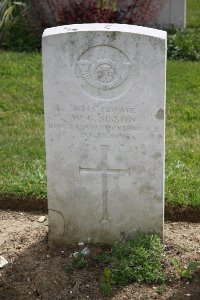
(193, 13)
(22, 129)
(183, 133)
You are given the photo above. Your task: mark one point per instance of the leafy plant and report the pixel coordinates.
(78, 262)
(85, 11)
(106, 282)
(21, 30)
(138, 12)
(136, 260)
(69, 268)
(161, 288)
(184, 45)
(6, 13)
(186, 272)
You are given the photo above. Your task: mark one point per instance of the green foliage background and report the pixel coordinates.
(182, 45)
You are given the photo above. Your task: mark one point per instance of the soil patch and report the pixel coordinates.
(23, 203)
(182, 213)
(32, 203)
(37, 269)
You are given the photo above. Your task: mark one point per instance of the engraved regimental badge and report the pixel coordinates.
(104, 74)
(104, 67)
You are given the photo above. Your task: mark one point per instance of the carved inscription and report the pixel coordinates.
(100, 71)
(118, 122)
(104, 171)
(104, 121)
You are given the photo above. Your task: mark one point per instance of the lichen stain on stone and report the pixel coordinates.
(157, 42)
(72, 42)
(156, 155)
(158, 198)
(112, 36)
(145, 188)
(160, 114)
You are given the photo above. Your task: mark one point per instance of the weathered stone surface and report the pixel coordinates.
(104, 90)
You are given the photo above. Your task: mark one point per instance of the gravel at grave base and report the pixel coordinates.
(37, 269)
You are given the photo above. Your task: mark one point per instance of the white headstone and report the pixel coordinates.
(104, 90)
(172, 15)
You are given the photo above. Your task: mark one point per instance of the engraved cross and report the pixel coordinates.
(104, 171)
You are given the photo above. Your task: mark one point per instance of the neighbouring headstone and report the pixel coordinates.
(172, 15)
(104, 90)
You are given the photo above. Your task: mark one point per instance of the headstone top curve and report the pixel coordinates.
(106, 27)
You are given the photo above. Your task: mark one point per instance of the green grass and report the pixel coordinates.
(183, 133)
(193, 13)
(22, 129)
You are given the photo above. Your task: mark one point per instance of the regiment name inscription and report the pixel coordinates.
(102, 121)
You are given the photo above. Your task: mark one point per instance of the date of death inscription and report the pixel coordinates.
(100, 122)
